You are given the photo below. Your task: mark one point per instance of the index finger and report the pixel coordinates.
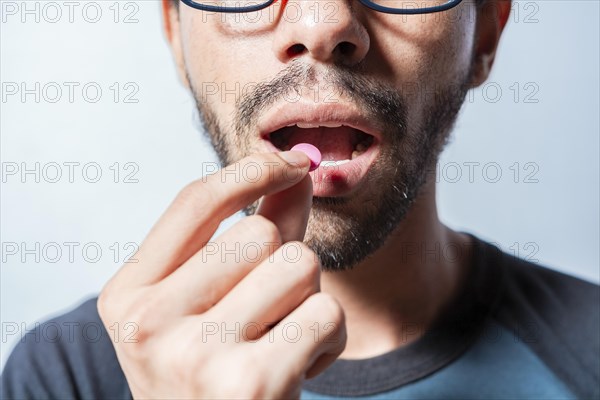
(195, 214)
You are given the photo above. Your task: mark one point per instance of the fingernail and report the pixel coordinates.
(296, 158)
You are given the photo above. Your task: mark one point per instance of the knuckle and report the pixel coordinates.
(107, 303)
(196, 194)
(142, 313)
(302, 260)
(328, 308)
(262, 228)
(103, 306)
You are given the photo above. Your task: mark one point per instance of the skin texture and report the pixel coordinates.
(353, 275)
(428, 62)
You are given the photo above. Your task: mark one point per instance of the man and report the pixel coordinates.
(342, 282)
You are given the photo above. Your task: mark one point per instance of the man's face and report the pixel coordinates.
(394, 83)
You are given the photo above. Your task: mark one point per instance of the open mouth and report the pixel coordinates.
(349, 142)
(338, 144)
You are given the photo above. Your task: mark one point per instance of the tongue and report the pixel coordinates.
(333, 143)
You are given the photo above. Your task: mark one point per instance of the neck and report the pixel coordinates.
(391, 298)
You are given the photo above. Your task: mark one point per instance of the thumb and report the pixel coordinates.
(289, 209)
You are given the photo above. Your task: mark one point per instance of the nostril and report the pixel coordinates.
(346, 48)
(295, 50)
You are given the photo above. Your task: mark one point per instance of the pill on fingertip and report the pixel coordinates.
(312, 152)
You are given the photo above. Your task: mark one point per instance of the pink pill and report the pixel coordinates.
(312, 152)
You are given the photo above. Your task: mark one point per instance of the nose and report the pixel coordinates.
(326, 31)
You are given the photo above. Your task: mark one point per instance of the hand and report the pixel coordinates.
(204, 311)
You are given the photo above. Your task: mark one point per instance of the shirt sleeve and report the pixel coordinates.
(68, 357)
(35, 370)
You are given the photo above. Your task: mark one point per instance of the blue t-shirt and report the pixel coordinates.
(516, 330)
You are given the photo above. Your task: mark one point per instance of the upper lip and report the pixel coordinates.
(327, 115)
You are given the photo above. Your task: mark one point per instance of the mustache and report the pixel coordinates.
(376, 99)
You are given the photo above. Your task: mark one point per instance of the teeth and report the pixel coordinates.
(333, 163)
(308, 125)
(358, 150)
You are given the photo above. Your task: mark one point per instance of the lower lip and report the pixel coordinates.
(344, 179)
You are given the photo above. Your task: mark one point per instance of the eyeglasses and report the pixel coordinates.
(384, 6)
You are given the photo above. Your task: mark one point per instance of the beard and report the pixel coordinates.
(343, 231)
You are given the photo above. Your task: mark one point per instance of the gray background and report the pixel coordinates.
(548, 212)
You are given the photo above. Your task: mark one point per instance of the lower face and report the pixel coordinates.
(395, 109)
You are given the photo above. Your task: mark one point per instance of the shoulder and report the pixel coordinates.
(69, 356)
(557, 315)
(561, 299)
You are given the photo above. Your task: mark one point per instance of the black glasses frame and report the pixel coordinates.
(366, 3)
